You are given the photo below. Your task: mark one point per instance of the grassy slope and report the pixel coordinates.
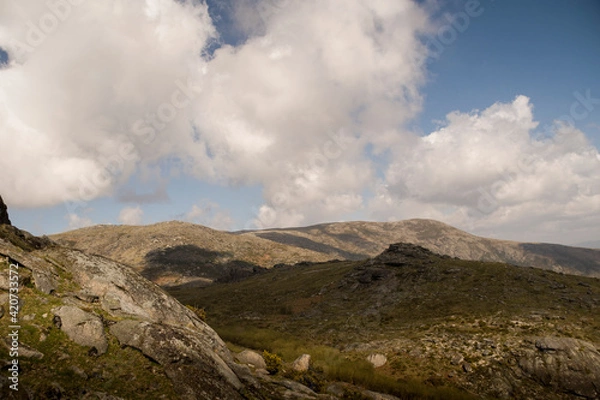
(325, 308)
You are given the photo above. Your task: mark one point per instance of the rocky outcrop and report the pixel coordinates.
(399, 254)
(568, 365)
(184, 354)
(4, 220)
(82, 327)
(95, 326)
(99, 301)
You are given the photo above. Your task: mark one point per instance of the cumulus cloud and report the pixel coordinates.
(77, 221)
(311, 104)
(294, 107)
(489, 171)
(91, 89)
(134, 86)
(131, 216)
(210, 214)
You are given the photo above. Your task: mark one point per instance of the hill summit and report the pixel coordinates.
(4, 220)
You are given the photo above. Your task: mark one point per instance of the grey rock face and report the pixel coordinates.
(83, 328)
(569, 365)
(44, 281)
(4, 220)
(189, 352)
(252, 358)
(186, 357)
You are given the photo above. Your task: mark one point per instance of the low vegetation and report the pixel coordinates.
(421, 314)
(58, 366)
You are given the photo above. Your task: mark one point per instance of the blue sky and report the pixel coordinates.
(544, 50)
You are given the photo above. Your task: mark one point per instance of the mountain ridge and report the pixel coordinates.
(218, 255)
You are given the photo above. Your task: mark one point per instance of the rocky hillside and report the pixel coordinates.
(92, 328)
(359, 240)
(174, 253)
(422, 322)
(78, 326)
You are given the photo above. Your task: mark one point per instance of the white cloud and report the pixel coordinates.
(210, 214)
(131, 216)
(80, 84)
(131, 89)
(77, 221)
(487, 172)
(293, 108)
(315, 69)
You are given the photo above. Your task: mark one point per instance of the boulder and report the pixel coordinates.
(197, 372)
(457, 359)
(568, 365)
(252, 358)
(302, 363)
(44, 281)
(4, 220)
(82, 327)
(378, 360)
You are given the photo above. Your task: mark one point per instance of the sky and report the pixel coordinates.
(252, 114)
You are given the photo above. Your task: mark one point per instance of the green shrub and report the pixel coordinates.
(273, 361)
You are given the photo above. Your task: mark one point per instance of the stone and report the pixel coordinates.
(296, 387)
(44, 282)
(566, 364)
(28, 352)
(184, 354)
(378, 360)
(302, 363)
(252, 358)
(79, 372)
(457, 359)
(4, 220)
(379, 396)
(82, 327)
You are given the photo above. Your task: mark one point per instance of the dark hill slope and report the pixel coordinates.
(493, 329)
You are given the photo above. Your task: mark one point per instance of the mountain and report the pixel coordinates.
(79, 326)
(591, 245)
(88, 327)
(411, 321)
(358, 240)
(173, 253)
